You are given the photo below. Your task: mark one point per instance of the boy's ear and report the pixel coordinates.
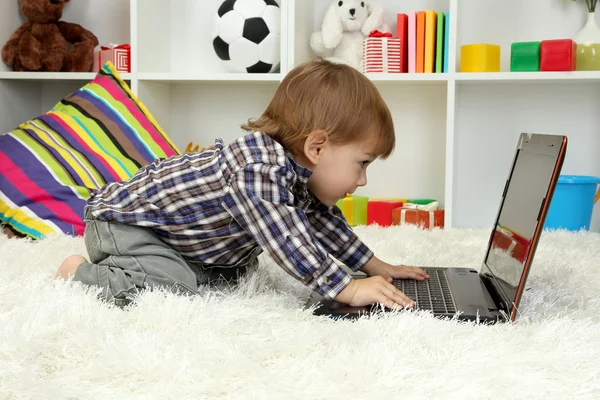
(314, 145)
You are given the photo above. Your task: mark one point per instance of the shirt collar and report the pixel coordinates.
(302, 173)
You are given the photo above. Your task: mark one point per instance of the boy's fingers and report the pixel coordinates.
(397, 296)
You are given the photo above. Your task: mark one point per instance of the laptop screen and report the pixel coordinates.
(517, 219)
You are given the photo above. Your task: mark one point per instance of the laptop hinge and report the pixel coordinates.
(495, 292)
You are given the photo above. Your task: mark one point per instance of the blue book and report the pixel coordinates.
(446, 38)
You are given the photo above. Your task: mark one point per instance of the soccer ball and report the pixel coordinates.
(247, 35)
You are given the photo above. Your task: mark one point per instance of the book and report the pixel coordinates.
(439, 43)
(420, 39)
(430, 35)
(412, 44)
(446, 39)
(402, 34)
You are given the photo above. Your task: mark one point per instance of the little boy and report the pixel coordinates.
(186, 220)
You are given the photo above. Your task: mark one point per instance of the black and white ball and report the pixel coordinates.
(247, 35)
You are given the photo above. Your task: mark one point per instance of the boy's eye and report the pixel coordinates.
(363, 164)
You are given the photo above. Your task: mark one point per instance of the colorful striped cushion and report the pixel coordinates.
(51, 164)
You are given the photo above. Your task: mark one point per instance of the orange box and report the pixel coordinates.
(412, 216)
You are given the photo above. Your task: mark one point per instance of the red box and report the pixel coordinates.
(558, 55)
(427, 219)
(380, 211)
(119, 55)
(512, 243)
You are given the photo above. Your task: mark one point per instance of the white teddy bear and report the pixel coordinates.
(345, 26)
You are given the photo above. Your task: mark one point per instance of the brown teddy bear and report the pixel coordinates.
(40, 44)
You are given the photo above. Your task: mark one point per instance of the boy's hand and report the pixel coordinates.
(376, 289)
(377, 267)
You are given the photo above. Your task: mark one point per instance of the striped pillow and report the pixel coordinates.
(51, 164)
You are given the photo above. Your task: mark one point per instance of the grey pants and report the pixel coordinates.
(125, 259)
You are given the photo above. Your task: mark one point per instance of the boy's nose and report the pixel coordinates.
(362, 181)
(352, 11)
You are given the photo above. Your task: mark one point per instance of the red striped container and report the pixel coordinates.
(382, 54)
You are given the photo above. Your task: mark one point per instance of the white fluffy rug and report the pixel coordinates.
(58, 342)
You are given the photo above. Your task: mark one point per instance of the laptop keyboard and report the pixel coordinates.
(431, 294)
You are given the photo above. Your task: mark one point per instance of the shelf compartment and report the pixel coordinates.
(176, 36)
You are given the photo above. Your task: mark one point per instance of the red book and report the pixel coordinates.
(402, 34)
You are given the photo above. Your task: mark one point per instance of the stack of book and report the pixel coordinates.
(425, 34)
(419, 46)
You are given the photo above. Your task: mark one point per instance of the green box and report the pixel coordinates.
(525, 56)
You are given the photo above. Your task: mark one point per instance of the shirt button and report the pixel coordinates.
(327, 280)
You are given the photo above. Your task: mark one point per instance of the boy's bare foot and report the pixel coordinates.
(69, 266)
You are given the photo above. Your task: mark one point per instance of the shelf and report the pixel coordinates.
(528, 77)
(408, 78)
(53, 76)
(456, 131)
(218, 77)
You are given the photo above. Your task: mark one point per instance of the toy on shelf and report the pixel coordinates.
(382, 53)
(354, 208)
(345, 25)
(427, 215)
(119, 55)
(248, 35)
(558, 55)
(525, 57)
(40, 43)
(379, 211)
(481, 57)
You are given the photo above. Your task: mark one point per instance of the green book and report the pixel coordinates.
(439, 43)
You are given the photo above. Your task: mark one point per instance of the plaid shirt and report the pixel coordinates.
(226, 205)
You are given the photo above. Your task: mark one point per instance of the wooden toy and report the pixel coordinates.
(379, 211)
(558, 55)
(414, 216)
(481, 57)
(525, 56)
(354, 209)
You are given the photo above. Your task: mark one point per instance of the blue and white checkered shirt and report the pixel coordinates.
(225, 205)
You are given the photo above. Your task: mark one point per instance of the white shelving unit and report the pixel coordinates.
(456, 132)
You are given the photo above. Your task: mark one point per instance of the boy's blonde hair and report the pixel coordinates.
(335, 98)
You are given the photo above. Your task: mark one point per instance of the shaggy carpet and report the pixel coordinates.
(257, 341)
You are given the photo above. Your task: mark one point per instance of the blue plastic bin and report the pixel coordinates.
(573, 203)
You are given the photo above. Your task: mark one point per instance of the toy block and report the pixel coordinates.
(413, 216)
(354, 209)
(481, 57)
(379, 211)
(525, 56)
(558, 55)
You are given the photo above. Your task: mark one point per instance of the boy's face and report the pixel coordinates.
(340, 169)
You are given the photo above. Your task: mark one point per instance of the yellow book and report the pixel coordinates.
(430, 33)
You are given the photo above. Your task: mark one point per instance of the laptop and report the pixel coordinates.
(493, 292)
